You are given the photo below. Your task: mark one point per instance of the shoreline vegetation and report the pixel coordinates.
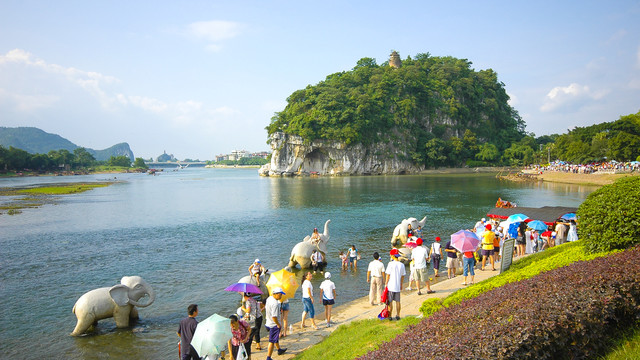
(39, 195)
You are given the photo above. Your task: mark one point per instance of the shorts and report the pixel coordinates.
(496, 250)
(421, 274)
(352, 259)
(520, 240)
(487, 252)
(274, 334)
(307, 306)
(326, 302)
(393, 296)
(452, 262)
(284, 306)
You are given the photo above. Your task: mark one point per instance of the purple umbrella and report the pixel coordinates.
(465, 240)
(244, 287)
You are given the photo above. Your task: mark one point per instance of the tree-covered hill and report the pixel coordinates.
(439, 109)
(37, 141)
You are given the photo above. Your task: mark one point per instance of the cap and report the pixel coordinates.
(419, 241)
(437, 238)
(483, 220)
(488, 227)
(257, 260)
(327, 275)
(277, 290)
(240, 312)
(394, 252)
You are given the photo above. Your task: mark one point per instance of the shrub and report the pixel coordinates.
(569, 312)
(430, 306)
(610, 216)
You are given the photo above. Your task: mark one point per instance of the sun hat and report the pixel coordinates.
(437, 238)
(277, 290)
(394, 252)
(419, 241)
(327, 275)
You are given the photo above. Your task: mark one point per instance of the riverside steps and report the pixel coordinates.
(360, 309)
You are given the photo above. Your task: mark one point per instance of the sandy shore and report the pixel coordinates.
(360, 309)
(582, 179)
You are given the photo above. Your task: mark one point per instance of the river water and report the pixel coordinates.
(191, 233)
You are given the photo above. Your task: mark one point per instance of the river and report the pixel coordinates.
(190, 233)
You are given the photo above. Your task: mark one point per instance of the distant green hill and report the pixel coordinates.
(36, 141)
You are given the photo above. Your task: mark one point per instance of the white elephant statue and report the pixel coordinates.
(399, 237)
(118, 301)
(301, 253)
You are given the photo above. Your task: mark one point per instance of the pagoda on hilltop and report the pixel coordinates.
(394, 60)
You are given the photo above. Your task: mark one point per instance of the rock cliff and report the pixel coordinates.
(292, 156)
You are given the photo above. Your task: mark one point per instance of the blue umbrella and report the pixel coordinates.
(517, 218)
(538, 225)
(569, 216)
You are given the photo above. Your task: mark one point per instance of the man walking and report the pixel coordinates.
(419, 257)
(185, 332)
(273, 318)
(374, 276)
(395, 276)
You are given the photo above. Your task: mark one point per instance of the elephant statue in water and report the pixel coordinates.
(301, 253)
(118, 301)
(399, 237)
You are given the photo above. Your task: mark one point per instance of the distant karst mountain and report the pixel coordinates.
(36, 141)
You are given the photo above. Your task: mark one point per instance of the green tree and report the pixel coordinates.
(120, 160)
(140, 164)
(83, 158)
(488, 152)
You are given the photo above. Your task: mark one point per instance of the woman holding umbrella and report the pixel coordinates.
(254, 313)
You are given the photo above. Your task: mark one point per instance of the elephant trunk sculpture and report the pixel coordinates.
(118, 301)
(399, 237)
(301, 253)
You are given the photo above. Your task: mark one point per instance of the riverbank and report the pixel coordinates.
(598, 179)
(360, 309)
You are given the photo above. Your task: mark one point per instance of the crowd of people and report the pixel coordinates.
(589, 168)
(386, 282)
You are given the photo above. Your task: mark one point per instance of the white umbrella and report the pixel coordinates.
(211, 335)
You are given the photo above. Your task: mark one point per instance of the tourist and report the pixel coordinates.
(307, 302)
(315, 237)
(240, 331)
(410, 232)
(418, 232)
(257, 270)
(353, 257)
(573, 231)
(452, 259)
(419, 257)
(435, 254)
(395, 276)
(273, 321)
(487, 247)
(328, 292)
(185, 332)
(521, 241)
(344, 259)
(284, 307)
(412, 275)
(528, 245)
(253, 316)
(497, 244)
(468, 264)
(561, 232)
(317, 261)
(374, 277)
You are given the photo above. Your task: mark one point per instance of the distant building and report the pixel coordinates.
(394, 60)
(239, 154)
(166, 157)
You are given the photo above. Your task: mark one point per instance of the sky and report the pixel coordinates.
(201, 78)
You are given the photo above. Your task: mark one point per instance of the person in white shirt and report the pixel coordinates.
(374, 276)
(419, 257)
(395, 276)
(307, 301)
(273, 318)
(328, 291)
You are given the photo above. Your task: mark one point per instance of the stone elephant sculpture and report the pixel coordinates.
(118, 301)
(301, 252)
(399, 237)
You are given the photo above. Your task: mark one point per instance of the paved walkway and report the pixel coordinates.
(360, 309)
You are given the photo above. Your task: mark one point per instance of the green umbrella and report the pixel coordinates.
(211, 335)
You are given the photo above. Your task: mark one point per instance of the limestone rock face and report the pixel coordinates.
(291, 156)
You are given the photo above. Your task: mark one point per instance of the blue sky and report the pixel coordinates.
(200, 78)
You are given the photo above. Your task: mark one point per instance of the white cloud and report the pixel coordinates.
(570, 96)
(214, 32)
(28, 103)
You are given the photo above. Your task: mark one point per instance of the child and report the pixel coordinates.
(411, 277)
(345, 261)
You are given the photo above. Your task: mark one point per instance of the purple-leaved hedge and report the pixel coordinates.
(567, 313)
